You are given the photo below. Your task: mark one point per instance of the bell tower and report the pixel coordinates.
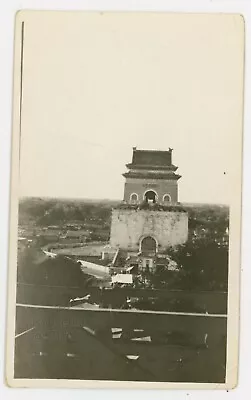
(151, 178)
(150, 219)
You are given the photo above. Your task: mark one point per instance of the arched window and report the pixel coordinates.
(148, 245)
(134, 198)
(166, 198)
(150, 196)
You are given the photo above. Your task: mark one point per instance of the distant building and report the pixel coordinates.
(150, 219)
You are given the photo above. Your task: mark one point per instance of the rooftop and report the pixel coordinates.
(152, 157)
(150, 175)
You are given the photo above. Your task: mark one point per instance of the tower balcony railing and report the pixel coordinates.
(175, 207)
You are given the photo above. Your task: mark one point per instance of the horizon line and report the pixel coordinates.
(107, 199)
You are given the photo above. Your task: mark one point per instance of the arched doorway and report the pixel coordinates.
(134, 198)
(167, 198)
(148, 245)
(150, 196)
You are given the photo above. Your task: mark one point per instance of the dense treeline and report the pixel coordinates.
(51, 281)
(43, 212)
(212, 217)
(203, 265)
(35, 268)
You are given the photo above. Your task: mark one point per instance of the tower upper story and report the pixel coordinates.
(151, 178)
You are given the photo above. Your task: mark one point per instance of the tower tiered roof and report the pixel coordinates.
(156, 164)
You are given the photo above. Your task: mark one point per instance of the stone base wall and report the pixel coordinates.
(129, 227)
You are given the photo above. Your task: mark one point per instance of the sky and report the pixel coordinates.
(96, 85)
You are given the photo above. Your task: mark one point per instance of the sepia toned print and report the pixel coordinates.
(124, 251)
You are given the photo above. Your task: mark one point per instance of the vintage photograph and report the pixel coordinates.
(125, 199)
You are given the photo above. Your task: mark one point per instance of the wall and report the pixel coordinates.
(92, 249)
(128, 227)
(95, 267)
(161, 186)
